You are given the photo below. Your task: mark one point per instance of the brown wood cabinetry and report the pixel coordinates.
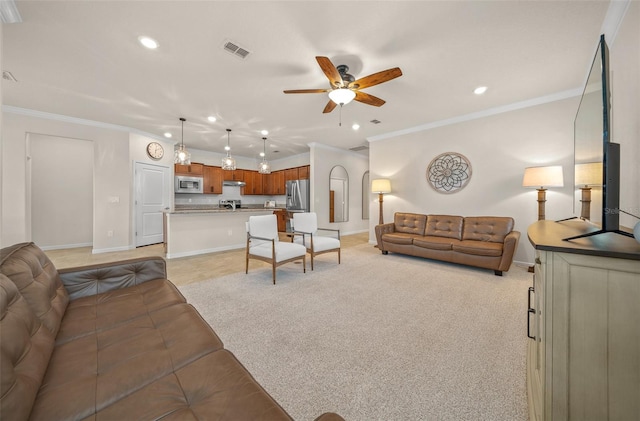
(281, 217)
(193, 169)
(212, 180)
(254, 182)
(291, 174)
(303, 172)
(235, 175)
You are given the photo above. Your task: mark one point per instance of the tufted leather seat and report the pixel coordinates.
(483, 241)
(113, 341)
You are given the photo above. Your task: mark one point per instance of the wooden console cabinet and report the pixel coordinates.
(583, 359)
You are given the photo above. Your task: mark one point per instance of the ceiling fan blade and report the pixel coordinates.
(306, 91)
(376, 78)
(369, 99)
(329, 107)
(330, 71)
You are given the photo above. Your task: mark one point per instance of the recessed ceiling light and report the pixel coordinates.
(212, 119)
(167, 135)
(150, 43)
(480, 90)
(265, 132)
(355, 126)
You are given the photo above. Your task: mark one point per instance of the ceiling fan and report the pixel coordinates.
(345, 87)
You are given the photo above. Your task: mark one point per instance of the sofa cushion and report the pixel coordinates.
(26, 346)
(487, 228)
(435, 243)
(410, 223)
(100, 369)
(37, 279)
(399, 238)
(449, 226)
(215, 387)
(479, 248)
(88, 315)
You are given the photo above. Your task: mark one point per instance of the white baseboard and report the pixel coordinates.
(66, 246)
(109, 250)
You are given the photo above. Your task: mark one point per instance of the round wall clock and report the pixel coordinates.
(449, 172)
(155, 150)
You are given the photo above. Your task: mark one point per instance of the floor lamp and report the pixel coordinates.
(541, 178)
(587, 176)
(381, 186)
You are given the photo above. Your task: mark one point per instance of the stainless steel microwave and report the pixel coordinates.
(184, 184)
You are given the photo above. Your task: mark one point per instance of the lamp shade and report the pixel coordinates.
(542, 177)
(589, 174)
(342, 95)
(381, 185)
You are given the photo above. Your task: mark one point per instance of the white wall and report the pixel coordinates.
(323, 159)
(61, 191)
(499, 147)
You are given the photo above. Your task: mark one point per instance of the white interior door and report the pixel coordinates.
(153, 189)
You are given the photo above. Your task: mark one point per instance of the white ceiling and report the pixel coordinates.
(83, 59)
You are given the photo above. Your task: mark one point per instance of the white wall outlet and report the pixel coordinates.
(114, 199)
(110, 233)
(230, 232)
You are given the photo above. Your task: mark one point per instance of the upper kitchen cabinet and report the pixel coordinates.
(212, 180)
(235, 175)
(303, 172)
(255, 184)
(291, 174)
(193, 169)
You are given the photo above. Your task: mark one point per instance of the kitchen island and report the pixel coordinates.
(190, 231)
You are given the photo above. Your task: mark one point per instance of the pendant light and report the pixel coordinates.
(264, 167)
(182, 155)
(228, 163)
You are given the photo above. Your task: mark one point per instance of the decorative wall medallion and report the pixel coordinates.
(449, 172)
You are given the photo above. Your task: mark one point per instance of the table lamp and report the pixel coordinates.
(541, 178)
(381, 186)
(588, 175)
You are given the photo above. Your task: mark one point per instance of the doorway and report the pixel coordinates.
(152, 199)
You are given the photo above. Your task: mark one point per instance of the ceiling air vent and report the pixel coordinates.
(359, 148)
(376, 121)
(236, 50)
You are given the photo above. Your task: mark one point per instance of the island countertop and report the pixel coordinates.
(183, 209)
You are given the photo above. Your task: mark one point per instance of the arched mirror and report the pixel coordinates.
(338, 194)
(365, 195)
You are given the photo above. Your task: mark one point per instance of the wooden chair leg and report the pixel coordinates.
(246, 266)
(311, 254)
(273, 271)
(304, 263)
(338, 256)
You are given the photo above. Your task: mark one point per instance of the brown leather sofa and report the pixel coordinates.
(115, 342)
(483, 241)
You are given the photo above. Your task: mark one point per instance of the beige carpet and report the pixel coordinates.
(377, 337)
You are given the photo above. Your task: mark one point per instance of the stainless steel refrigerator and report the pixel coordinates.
(298, 195)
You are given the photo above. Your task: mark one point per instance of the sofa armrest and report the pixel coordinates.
(509, 249)
(89, 280)
(383, 229)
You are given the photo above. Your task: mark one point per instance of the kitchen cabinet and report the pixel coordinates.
(193, 169)
(235, 175)
(273, 184)
(291, 174)
(303, 172)
(254, 182)
(582, 357)
(281, 217)
(212, 180)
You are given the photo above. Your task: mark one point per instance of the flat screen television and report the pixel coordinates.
(596, 157)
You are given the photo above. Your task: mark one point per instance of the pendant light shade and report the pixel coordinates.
(228, 163)
(264, 167)
(181, 155)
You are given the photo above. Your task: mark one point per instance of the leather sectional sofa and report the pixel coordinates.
(115, 342)
(483, 241)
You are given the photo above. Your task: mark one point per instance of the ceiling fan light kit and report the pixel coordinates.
(342, 96)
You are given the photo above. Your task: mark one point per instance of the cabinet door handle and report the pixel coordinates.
(529, 312)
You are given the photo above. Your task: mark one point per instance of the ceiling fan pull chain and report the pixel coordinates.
(340, 122)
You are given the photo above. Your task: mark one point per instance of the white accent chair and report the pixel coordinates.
(263, 244)
(305, 224)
